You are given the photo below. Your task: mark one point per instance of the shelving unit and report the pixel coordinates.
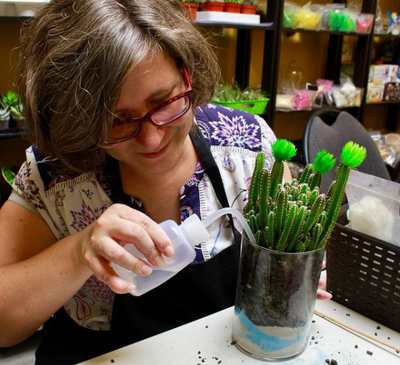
(273, 31)
(272, 52)
(272, 27)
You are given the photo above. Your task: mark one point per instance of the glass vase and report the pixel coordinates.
(275, 299)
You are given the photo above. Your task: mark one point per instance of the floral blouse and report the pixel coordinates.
(68, 204)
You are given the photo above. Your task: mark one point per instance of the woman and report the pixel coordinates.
(115, 95)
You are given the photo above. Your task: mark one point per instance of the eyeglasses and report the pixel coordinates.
(165, 113)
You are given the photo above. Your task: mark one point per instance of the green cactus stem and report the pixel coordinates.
(259, 238)
(252, 223)
(303, 199)
(297, 228)
(283, 150)
(301, 247)
(281, 207)
(254, 184)
(306, 174)
(322, 219)
(351, 157)
(313, 196)
(271, 230)
(316, 234)
(315, 212)
(265, 185)
(288, 226)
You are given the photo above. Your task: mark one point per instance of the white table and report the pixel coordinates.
(207, 341)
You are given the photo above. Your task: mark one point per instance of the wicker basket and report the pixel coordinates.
(363, 274)
(251, 106)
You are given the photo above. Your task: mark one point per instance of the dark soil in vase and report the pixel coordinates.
(278, 289)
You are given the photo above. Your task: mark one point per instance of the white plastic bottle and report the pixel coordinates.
(184, 238)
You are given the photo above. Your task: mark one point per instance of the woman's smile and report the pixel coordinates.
(156, 154)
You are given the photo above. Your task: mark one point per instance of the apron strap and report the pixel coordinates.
(213, 173)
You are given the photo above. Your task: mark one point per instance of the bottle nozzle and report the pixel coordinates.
(195, 230)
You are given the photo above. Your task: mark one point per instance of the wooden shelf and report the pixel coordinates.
(21, 19)
(385, 103)
(10, 133)
(320, 31)
(261, 26)
(385, 35)
(281, 111)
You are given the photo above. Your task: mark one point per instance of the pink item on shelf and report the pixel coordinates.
(364, 22)
(302, 100)
(326, 83)
(363, 25)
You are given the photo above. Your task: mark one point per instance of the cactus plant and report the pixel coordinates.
(296, 216)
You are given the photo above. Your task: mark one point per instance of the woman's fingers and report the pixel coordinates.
(111, 251)
(124, 232)
(323, 295)
(122, 224)
(142, 224)
(103, 271)
(104, 242)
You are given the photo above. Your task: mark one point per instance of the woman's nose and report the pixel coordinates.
(150, 135)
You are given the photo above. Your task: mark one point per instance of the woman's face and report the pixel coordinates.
(155, 148)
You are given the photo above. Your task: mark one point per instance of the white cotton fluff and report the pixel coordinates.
(370, 216)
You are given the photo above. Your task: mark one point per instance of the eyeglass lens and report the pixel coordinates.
(162, 116)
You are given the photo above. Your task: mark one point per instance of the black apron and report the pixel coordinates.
(196, 291)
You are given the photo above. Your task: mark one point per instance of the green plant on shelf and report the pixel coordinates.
(8, 175)
(12, 103)
(4, 110)
(232, 92)
(294, 216)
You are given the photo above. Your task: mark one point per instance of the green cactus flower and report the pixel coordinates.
(353, 155)
(283, 150)
(323, 162)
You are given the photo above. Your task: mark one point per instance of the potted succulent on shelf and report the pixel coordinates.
(233, 6)
(214, 5)
(15, 107)
(4, 114)
(8, 175)
(279, 273)
(192, 6)
(250, 100)
(249, 6)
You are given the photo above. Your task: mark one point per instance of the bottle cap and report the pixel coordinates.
(195, 230)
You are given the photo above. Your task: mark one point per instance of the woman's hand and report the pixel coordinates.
(102, 244)
(322, 294)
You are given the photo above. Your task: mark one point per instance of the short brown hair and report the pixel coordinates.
(75, 55)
